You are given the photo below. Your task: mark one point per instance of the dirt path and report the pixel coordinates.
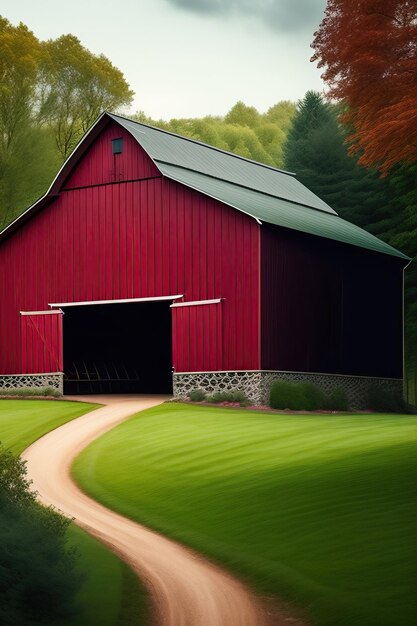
(186, 589)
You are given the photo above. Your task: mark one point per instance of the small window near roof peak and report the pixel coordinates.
(117, 145)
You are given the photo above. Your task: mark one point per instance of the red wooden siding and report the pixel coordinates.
(41, 343)
(329, 307)
(135, 239)
(199, 344)
(99, 165)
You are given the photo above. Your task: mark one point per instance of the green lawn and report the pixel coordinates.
(110, 594)
(318, 509)
(24, 421)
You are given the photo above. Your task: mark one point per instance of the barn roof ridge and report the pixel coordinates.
(205, 145)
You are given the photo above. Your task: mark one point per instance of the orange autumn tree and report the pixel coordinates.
(368, 49)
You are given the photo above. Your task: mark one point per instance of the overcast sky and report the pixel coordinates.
(188, 58)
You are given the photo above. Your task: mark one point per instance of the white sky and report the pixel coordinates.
(187, 63)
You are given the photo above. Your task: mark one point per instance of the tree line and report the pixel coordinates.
(50, 93)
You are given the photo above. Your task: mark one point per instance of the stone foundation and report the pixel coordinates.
(256, 384)
(17, 381)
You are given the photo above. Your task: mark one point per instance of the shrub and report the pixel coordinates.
(39, 581)
(285, 395)
(30, 391)
(228, 396)
(305, 397)
(383, 401)
(337, 400)
(314, 398)
(197, 395)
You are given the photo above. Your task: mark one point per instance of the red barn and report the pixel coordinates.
(156, 262)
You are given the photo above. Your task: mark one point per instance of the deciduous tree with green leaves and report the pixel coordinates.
(50, 93)
(77, 87)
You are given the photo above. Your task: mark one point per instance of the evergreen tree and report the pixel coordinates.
(316, 151)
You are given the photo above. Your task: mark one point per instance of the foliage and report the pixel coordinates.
(30, 391)
(14, 486)
(315, 509)
(50, 93)
(228, 396)
(243, 130)
(306, 397)
(295, 396)
(197, 395)
(76, 87)
(337, 400)
(368, 51)
(314, 396)
(20, 53)
(383, 401)
(38, 580)
(316, 150)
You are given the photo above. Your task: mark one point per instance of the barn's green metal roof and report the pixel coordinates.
(267, 194)
(263, 192)
(280, 212)
(164, 147)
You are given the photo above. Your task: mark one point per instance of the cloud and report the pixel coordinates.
(281, 15)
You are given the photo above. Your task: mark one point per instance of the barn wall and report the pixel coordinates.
(328, 307)
(137, 239)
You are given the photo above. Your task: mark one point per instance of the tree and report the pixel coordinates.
(76, 87)
(50, 93)
(368, 49)
(316, 151)
(38, 577)
(24, 147)
(20, 53)
(243, 130)
(242, 115)
(281, 114)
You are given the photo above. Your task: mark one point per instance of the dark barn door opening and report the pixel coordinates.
(118, 348)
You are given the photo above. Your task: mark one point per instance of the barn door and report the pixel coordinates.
(41, 339)
(197, 336)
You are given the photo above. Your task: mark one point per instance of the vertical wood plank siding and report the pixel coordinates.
(329, 307)
(201, 326)
(41, 343)
(147, 237)
(101, 166)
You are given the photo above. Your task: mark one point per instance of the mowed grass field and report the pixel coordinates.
(23, 421)
(318, 510)
(110, 594)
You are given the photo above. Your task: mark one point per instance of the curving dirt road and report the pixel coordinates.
(186, 589)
